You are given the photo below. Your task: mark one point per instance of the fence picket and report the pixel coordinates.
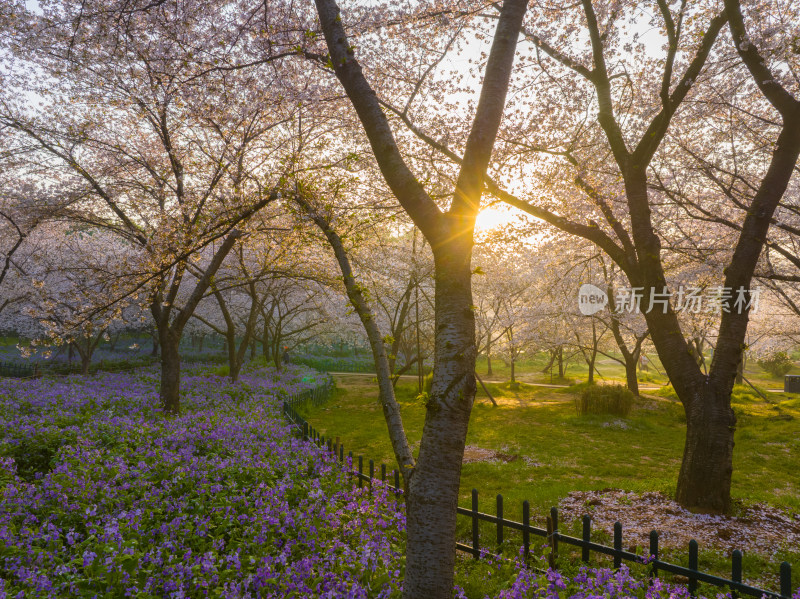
(587, 537)
(693, 566)
(475, 548)
(499, 513)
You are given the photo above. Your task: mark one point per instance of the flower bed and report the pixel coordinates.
(103, 496)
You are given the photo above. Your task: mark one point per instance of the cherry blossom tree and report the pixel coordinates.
(136, 120)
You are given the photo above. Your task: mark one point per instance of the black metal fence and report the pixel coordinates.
(553, 536)
(17, 371)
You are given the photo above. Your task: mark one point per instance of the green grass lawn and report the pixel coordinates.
(558, 451)
(552, 451)
(531, 369)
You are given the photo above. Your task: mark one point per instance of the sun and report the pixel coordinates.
(495, 216)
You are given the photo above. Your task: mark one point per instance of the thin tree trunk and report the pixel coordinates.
(560, 362)
(391, 410)
(740, 372)
(630, 373)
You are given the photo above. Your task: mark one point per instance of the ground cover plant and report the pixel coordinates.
(103, 496)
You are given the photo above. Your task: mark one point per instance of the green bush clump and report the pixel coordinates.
(778, 364)
(605, 399)
(35, 453)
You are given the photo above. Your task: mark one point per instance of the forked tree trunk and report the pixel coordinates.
(170, 330)
(705, 477)
(432, 501)
(433, 498)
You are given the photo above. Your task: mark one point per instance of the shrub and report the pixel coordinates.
(778, 364)
(605, 399)
(223, 370)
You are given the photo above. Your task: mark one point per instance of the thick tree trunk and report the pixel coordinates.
(154, 351)
(170, 372)
(433, 498)
(705, 477)
(86, 361)
(513, 371)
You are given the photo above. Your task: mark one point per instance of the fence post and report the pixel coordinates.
(383, 473)
(305, 431)
(654, 551)
(499, 523)
(371, 472)
(526, 525)
(475, 548)
(554, 540)
(587, 537)
(736, 569)
(786, 580)
(396, 481)
(360, 470)
(341, 453)
(617, 545)
(692, 567)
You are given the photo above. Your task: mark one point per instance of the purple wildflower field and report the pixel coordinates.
(104, 497)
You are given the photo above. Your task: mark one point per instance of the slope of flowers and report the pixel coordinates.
(103, 496)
